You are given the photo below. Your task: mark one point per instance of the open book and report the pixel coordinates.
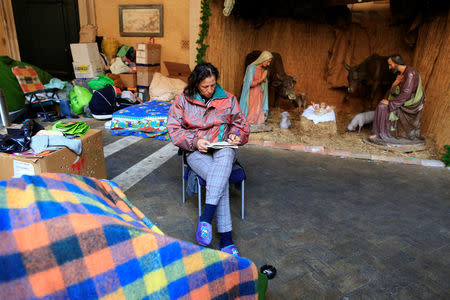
(220, 145)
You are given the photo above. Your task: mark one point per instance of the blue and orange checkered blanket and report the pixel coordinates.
(68, 236)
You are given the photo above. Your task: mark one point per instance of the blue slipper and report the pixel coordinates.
(204, 233)
(230, 249)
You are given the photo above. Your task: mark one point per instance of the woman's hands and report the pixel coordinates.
(234, 139)
(202, 145)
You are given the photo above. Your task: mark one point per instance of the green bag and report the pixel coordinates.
(123, 51)
(79, 97)
(101, 82)
(71, 128)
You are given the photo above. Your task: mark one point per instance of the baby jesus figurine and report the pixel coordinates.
(322, 108)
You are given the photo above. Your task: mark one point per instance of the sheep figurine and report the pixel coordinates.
(361, 119)
(285, 122)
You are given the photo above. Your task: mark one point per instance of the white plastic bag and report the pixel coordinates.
(118, 66)
(164, 88)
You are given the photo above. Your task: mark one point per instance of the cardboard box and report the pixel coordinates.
(90, 163)
(145, 74)
(85, 52)
(178, 70)
(129, 79)
(148, 54)
(147, 47)
(87, 69)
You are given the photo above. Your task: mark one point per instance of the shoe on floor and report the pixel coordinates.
(102, 117)
(230, 249)
(204, 233)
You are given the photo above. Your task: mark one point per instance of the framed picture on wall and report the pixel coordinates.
(141, 20)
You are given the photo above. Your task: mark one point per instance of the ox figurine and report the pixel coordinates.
(372, 77)
(282, 83)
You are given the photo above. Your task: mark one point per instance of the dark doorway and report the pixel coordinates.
(45, 29)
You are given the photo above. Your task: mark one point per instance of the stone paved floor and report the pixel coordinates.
(334, 228)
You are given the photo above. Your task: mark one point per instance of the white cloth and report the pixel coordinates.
(310, 114)
(118, 66)
(164, 88)
(128, 95)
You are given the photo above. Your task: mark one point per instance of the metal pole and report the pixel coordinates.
(4, 114)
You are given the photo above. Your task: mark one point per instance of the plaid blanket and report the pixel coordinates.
(68, 236)
(28, 79)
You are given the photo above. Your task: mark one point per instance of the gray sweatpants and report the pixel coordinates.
(215, 168)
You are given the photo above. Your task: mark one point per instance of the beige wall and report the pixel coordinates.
(176, 27)
(194, 22)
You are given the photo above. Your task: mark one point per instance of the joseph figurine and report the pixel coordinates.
(399, 115)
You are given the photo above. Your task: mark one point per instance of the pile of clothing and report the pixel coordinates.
(33, 140)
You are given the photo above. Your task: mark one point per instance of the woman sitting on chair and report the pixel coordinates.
(203, 114)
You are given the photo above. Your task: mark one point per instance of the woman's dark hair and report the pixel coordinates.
(201, 71)
(397, 58)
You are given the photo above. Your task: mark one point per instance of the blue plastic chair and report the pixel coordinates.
(237, 176)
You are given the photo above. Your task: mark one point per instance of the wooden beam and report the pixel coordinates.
(86, 9)
(345, 2)
(7, 21)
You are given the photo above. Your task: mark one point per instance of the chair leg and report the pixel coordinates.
(183, 181)
(43, 109)
(242, 199)
(199, 198)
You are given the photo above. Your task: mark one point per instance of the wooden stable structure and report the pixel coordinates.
(432, 59)
(306, 48)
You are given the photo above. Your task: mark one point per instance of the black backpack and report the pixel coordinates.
(103, 101)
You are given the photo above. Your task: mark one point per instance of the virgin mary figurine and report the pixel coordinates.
(254, 101)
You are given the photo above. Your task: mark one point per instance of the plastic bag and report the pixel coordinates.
(101, 82)
(79, 98)
(118, 66)
(18, 140)
(109, 47)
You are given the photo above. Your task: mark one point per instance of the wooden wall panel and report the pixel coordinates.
(304, 47)
(9, 44)
(432, 59)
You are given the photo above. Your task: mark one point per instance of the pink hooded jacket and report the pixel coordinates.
(190, 119)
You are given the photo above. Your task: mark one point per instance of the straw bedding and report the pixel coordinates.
(343, 140)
